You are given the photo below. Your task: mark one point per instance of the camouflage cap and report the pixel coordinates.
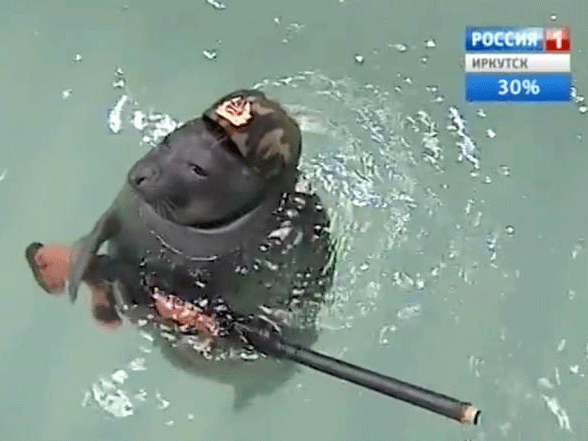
(263, 132)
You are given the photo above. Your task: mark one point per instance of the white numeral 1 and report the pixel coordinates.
(558, 35)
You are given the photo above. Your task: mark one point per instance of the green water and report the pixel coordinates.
(420, 295)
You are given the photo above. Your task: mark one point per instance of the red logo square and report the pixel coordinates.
(557, 40)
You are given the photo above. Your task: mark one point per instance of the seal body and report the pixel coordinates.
(277, 256)
(274, 266)
(211, 215)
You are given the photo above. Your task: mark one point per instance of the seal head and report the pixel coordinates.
(240, 156)
(214, 169)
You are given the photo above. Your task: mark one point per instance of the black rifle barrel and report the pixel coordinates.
(460, 411)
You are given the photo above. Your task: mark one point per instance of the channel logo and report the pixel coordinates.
(515, 39)
(517, 64)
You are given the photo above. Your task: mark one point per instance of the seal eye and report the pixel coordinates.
(197, 170)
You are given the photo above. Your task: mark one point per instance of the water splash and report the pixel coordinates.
(210, 54)
(409, 312)
(119, 81)
(111, 398)
(468, 149)
(560, 413)
(475, 363)
(430, 43)
(138, 364)
(114, 118)
(65, 94)
(371, 175)
(400, 47)
(578, 247)
(162, 403)
(385, 332)
(290, 31)
(219, 6)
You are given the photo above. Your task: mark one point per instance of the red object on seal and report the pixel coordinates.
(184, 313)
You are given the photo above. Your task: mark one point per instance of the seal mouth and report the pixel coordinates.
(30, 253)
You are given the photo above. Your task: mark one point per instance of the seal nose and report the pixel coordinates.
(143, 174)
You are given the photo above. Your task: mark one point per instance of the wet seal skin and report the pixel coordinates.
(211, 215)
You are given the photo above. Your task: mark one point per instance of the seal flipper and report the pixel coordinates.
(85, 249)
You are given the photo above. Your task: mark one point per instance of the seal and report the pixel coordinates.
(210, 215)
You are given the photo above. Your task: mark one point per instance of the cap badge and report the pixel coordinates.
(236, 111)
